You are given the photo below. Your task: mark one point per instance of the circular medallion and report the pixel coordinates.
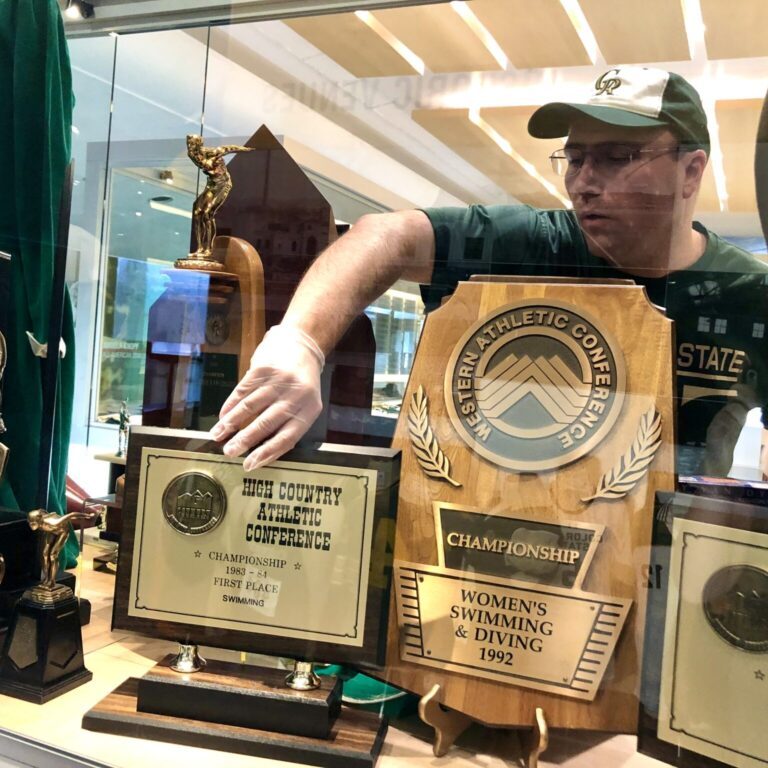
(216, 328)
(534, 385)
(194, 503)
(735, 601)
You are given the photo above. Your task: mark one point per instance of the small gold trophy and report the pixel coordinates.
(210, 160)
(213, 305)
(42, 656)
(55, 529)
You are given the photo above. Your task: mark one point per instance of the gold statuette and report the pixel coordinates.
(54, 529)
(210, 160)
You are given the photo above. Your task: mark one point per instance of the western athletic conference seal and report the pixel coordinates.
(534, 386)
(194, 503)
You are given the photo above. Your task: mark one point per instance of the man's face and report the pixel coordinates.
(622, 205)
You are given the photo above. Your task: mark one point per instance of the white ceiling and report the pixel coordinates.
(411, 137)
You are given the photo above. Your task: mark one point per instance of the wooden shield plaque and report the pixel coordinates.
(536, 428)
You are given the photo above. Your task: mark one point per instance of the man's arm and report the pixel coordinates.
(279, 398)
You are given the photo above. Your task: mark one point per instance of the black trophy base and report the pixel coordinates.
(235, 694)
(9, 597)
(37, 695)
(354, 742)
(42, 655)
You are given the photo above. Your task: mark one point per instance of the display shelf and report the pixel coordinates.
(51, 735)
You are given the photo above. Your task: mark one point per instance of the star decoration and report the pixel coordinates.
(759, 674)
(198, 553)
(297, 566)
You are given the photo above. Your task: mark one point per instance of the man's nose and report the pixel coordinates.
(588, 178)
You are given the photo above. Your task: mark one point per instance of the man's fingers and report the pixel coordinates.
(262, 427)
(276, 401)
(276, 446)
(243, 412)
(248, 409)
(253, 379)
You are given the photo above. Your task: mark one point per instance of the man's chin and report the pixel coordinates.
(602, 247)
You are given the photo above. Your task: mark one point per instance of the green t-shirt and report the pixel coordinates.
(719, 304)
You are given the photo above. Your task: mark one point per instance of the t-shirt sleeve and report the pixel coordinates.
(478, 240)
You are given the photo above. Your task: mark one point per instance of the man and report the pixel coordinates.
(633, 161)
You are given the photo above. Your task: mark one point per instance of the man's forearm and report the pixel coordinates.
(279, 397)
(357, 269)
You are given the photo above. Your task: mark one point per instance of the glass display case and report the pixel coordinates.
(561, 339)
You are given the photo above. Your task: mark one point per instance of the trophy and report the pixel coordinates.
(706, 639)
(534, 433)
(204, 328)
(42, 656)
(122, 429)
(290, 560)
(210, 160)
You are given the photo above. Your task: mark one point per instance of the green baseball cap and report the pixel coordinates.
(634, 97)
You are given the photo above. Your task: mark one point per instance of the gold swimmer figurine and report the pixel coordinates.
(210, 160)
(55, 529)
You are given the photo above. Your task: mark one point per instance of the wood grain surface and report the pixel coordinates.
(243, 695)
(385, 461)
(354, 742)
(619, 567)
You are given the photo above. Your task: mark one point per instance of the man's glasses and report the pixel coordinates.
(609, 158)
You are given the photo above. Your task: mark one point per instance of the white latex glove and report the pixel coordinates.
(276, 401)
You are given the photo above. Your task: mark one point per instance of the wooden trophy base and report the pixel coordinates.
(246, 710)
(233, 694)
(202, 332)
(43, 651)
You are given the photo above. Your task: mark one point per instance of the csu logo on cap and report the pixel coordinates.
(534, 386)
(605, 84)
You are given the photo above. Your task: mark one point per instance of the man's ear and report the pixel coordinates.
(694, 165)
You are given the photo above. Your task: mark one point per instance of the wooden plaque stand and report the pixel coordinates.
(216, 317)
(247, 710)
(283, 601)
(502, 343)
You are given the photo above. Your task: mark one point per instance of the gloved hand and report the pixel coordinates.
(276, 401)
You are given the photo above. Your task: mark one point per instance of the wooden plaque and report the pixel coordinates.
(291, 559)
(536, 427)
(705, 665)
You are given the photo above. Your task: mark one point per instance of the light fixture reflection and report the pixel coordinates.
(165, 208)
(79, 9)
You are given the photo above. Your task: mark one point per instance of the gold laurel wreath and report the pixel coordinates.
(428, 453)
(633, 465)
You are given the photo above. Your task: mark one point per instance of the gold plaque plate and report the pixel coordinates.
(546, 638)
(271, 565)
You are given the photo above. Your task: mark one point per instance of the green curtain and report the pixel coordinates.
(35, 142)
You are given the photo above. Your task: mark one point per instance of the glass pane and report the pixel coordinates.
(149, 190)
(428, 107)
(92, 68)
(148, 229)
